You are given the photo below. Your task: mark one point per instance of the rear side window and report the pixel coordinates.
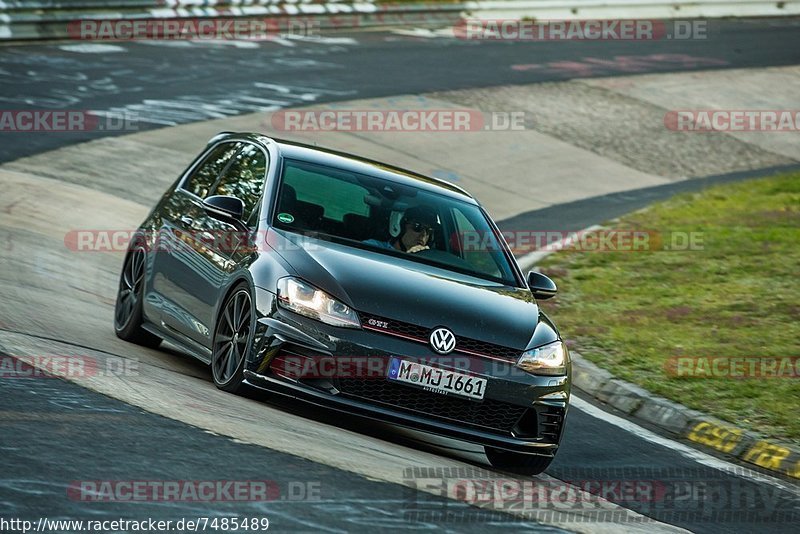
(202, 179)
(244, 178)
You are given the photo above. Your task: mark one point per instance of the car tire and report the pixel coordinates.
(128, 314)
(233, 339)
(524, 464)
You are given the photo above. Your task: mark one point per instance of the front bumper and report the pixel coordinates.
(520, 412)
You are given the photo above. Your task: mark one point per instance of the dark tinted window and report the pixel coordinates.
(478, 245)
(314, 186)
(244, 178)
(205, 174)
(367, 211)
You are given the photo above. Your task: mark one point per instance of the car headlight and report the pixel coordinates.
(550, 360)
(305, 299)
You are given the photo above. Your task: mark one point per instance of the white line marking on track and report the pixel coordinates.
(684, 450)
(528, 261)
(167, 44)
(426, 33)
(323, 40)
(91, 48)
(237, 43)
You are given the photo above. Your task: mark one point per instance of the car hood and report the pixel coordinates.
(412, 292)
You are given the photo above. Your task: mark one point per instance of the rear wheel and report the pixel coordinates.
(128, 314)
(525, 464)
(233, 337)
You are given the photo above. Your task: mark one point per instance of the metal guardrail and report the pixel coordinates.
(26, 5)
(54, 23)
(630, 9)
(31, 5)
(49, 19)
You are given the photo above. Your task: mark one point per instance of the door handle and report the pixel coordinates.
(185, 219)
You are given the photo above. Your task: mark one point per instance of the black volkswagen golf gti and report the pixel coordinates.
(351, 284)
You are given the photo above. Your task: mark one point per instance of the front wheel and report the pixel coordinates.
(233, 337)
(524, 464)
(128, 315)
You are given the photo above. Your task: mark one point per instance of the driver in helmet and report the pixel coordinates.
(416, 231)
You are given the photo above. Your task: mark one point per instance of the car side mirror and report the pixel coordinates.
(541, 286)
(225, 207)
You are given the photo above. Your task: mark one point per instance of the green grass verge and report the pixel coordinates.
(629, 312)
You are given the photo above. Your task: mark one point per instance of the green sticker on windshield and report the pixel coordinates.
(285, 218)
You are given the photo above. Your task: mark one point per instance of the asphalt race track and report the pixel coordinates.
(229, 80)
(55, 433)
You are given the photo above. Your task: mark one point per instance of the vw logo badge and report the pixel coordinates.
(443, 340)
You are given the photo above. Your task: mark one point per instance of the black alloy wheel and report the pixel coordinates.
(128, 316)
(233, 336)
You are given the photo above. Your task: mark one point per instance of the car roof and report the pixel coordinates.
(343, 160)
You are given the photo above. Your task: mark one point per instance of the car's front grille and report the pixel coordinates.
(392, 327)
(488, 414)
(487, 349)
(421, 333)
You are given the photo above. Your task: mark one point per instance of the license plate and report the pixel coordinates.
(437, 380)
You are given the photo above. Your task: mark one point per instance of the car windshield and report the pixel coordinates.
(391, 218)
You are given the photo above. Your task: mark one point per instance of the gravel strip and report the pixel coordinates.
(622, 128)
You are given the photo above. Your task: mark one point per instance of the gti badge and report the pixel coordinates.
(443, 340)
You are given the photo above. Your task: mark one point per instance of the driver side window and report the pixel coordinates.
(244, 178)
(205, 174)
